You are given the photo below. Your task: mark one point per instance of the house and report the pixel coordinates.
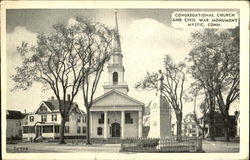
(219, 125)
(15, 119)
(115, 114)
(190, 127)
(46, 120)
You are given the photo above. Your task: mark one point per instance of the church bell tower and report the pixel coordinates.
(115, 67)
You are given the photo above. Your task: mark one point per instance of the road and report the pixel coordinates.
(208, 147)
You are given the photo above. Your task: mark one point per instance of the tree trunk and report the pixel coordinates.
(179, 119)
(88, 127)
(63, 120)
(226, 127)
(211, 125)
(203, 133)
(203, 129)
(208, 132)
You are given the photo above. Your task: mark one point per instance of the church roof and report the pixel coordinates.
(116, 98)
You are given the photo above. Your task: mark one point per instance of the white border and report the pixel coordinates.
(244, 79)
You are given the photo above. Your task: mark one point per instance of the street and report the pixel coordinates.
(208, 147)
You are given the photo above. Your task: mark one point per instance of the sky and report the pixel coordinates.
(146, 36)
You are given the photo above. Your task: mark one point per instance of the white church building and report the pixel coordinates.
(115, 113)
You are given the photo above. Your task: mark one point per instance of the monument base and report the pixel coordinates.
(160, 118)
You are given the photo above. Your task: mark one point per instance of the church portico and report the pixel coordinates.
(111, 124)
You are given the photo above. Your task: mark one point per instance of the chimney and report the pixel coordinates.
(68, 97)
(52, 97)
(24, 110)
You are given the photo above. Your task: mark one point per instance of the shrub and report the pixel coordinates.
(148, 142)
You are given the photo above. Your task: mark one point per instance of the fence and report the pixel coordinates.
(186, 144)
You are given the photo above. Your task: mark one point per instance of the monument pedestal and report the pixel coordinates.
(160, 118)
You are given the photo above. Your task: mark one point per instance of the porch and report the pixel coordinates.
(44, 130)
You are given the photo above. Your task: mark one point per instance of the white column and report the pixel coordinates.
(140, 124)
(122, 123)
(105, 127)
(90, 124)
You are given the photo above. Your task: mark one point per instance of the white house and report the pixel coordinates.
(190, 127)
(45, 122)
(115, 113)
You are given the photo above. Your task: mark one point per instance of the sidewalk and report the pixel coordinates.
(220, 147)
(208, 147)
(61, 148)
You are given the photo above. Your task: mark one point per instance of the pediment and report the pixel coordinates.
(116, 98)
(43, 108)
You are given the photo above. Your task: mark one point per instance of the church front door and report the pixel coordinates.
(115, 127)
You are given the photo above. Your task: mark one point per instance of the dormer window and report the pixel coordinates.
(43, 109)
(115, 78)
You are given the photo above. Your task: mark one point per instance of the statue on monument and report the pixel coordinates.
(160, 118)
(160, 79)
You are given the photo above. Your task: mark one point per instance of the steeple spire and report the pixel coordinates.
(116, 41)
(115, 68)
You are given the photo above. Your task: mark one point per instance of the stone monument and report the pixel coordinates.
(160, 115)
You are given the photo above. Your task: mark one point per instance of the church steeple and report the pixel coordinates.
(115, 68)
(116, 39)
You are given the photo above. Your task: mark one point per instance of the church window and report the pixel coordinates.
(101, 120)
(115, 78)
(128, 118)
(99, 131)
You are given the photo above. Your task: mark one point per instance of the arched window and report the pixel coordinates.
(115, 78)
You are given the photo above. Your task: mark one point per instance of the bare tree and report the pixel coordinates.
(95, 54)
(172, 87)
(227, 74)
(215, 58)
(191, 96)
(61, 61)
